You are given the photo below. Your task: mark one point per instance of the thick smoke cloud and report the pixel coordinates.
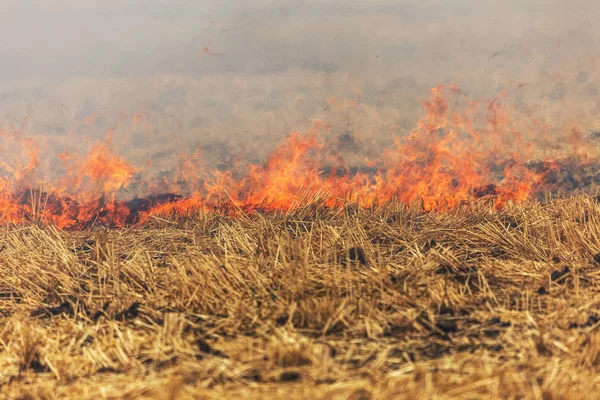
(237, 76)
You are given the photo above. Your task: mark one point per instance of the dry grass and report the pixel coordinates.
(376, 304)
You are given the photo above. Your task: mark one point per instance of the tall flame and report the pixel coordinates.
(451, 156)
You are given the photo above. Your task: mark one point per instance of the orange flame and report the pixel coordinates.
(451, 156)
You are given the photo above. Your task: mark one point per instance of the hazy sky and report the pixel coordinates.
(63, 38)
(228, 71)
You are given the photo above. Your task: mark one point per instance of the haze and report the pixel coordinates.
(238, 76)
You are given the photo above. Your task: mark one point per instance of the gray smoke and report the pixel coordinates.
(237, 76)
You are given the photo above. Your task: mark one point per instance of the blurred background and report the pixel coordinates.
(236, 76)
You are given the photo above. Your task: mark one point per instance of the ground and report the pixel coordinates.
(390, 302)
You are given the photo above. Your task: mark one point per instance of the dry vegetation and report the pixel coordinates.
(364, 304)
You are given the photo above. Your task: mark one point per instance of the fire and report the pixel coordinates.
(106, 169)
(446, 160)
(453, 155)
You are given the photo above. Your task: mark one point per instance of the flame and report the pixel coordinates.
(453, 155)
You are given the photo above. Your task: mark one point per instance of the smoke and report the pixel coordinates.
(236, 77)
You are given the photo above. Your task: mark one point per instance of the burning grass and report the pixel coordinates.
(119, 284)
(389, 302)
(459, 151)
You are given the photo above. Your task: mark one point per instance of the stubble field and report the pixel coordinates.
(389, 302)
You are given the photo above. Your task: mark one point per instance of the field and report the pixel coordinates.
(315, 199)
(388, 302)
